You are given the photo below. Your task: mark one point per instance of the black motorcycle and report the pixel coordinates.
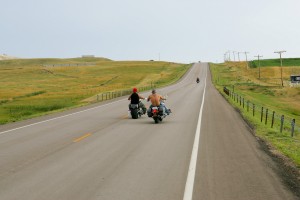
(135, 111)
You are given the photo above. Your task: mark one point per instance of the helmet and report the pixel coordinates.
(134, 90)
(153, 91)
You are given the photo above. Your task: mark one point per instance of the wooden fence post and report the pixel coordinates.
(273, 115)
(293, 127)
(262, 113)
(281, 124)
(266, 116)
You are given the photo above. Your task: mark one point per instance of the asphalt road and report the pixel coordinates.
(99, 153)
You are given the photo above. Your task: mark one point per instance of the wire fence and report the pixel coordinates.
(69, 65)
(266, 115)
(115, 94)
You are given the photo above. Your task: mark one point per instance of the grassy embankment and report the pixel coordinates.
(267, 92)
(29, 89)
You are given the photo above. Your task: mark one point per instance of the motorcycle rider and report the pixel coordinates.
(198, 80)
(135, 99)
(156, 101)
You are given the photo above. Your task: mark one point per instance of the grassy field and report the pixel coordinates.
(265, 92)
(29, 89)
(286, 62)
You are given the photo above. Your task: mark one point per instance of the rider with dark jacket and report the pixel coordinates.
(135, 99)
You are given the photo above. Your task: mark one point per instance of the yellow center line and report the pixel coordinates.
(82, 137)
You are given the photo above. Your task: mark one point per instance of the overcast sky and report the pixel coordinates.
(170, 30)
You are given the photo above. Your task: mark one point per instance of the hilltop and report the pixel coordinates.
(6, 57)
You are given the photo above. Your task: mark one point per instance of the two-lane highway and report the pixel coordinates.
(99, 153)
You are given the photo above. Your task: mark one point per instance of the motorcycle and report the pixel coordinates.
(158, 114)
(198, 81)
(135, 111)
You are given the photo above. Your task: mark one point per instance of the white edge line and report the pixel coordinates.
(189, 186)
(59, 117)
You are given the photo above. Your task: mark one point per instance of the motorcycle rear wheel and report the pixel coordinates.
(134, 114)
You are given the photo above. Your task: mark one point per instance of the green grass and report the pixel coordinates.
(7, 64)
(275, 62)
(281, 141)
(28, 89)
(282, 100)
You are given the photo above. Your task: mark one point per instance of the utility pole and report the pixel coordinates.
(225, 57)
(280, 52)
(229, 55)
(239, 56)
(233, 55)
(258, 56)
(246, 59)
